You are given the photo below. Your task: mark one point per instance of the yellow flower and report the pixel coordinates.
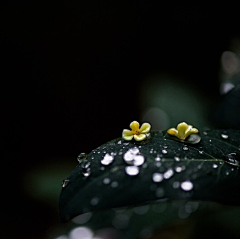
(136, 133)
(183, 131)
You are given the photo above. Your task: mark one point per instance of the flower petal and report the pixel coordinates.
(140, 137)
(127, 134)
(191, 131)
(134, 125)
(173, 131)
(145, 128)
(183, 128)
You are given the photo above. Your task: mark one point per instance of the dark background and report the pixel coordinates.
(70, 77)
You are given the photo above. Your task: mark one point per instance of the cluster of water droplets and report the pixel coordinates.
(133, 159)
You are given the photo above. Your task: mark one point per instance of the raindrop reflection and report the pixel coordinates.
(81, 232)
(157, 177)
(108, 159)
(132, 170)
(187, 186)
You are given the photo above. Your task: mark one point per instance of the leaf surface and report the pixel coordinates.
(171, 170)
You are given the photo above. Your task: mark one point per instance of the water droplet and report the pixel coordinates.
(157, 159)
(133, 158)
(205, 133)
(106, 180)
(227, 173)
(126, 143)
(65, 183)
(168, 174)
(178, 169)
(107, 159)
(200, 151)
(134, 150)
(215, 165)
(138, 160)
(187, 186)
(81, 157)
(157, 177)
(165, 146)
(233, 159)
(177, 159)
(114, 184)
(176, 184)
(80, 232)
(87, 172)
(94, 201)
(141, 210)
(145, 165)
(119, 142)
(132, 170)
(224, 136)
(164, 151)
(158, 164)
(159, 192)
(85, 164)
(185, 147)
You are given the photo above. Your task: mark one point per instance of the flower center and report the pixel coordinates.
(136, 132)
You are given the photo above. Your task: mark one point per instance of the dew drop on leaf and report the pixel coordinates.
(159, 192)
(132, 170)
(157, 159)
(138, 160)
(168, 174)
(176, 184)
(177, 159)
(107, 159)
(157, 177)
(94, 201)
(141, 210)
(178, 169)
(215, 165)
(164, 151)
(114, 184)
(85, 165)
(158, 164)
(81, 157)
(80, 232)
(132, 157)
(233, 159)
(65, 183)
(185, 147)
(86, 173)
(186, 185)
(106, 180)
(224, 136)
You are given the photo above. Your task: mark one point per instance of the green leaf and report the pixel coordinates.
(171, 170)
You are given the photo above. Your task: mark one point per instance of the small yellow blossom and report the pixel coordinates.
(136, 133)
(183, 131)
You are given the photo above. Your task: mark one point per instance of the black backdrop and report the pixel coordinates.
(71, 71)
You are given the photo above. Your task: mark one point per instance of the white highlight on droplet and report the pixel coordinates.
(81, 232)
(132, 170)
(157, 177)
(107, 159)
(187, 186)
